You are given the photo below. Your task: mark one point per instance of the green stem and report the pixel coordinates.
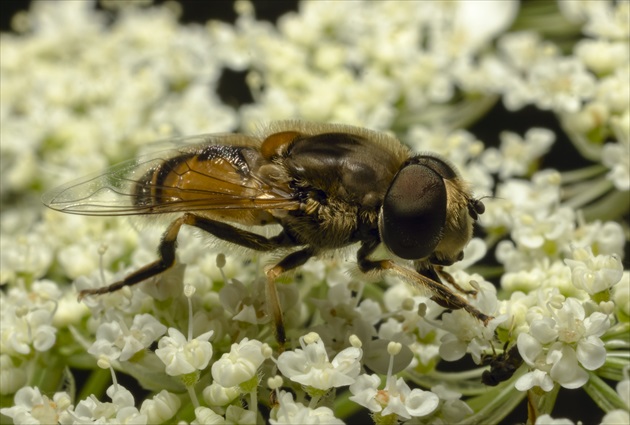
(582, 194)
(602, 394)
(611, 206)
(581, 174)
(96, 384)
(540, 402)
(193, 395)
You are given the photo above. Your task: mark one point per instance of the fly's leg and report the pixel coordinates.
(226, 232)
(424, 279)
(291, 261)
(168, 245)
(447, 276)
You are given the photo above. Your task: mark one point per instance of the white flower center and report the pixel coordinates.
(572, 334)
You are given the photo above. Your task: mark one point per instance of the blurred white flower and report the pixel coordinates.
(561, 84)
(31, 407)
(27, 319)
(516, 155)
(602, 56)
(24, 254)
(616, 156)
(12, 377)
(616, 417)
(453, 408)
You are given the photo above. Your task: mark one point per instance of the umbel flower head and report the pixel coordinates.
(535, 116)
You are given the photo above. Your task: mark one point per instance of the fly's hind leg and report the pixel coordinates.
(226, 232)
(168, 245)
(166, 251)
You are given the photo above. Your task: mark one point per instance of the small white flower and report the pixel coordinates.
(561, 84)
(310, 365)
(396, 398)
(240, 364)
(522, 49)
(453, 409)
(594, 274)
(518, 198)
(218, 395)
(247, 304)
(615, 157)
(602, 56)
(606, 237)
(120, 410)
(562, 346)
(517, 154)
(532, 231)
(207, 416)
(182, 356)
(495, 15)
(162, 407)
(365, 390)
(616, 417)
(238, 415)
(26, 322)
(28, 254)
(467, 335)
(31, 407)
(12, 378)
(289, 412)
(117, 342)
(608, 20)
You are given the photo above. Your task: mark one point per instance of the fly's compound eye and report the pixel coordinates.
(414, 212)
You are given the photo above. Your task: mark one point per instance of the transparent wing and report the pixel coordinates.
(200, 173)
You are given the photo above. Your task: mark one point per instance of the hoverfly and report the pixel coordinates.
(326, 185)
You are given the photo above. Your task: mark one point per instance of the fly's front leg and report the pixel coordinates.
(449, 278)
(426, 279)
(168, 245)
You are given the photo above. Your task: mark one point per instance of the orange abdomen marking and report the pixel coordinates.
(277, 143)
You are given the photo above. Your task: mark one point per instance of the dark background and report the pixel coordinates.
(573, 404)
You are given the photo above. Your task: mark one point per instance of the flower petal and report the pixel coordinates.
(421, 403)
(566, 371)
(591, 352)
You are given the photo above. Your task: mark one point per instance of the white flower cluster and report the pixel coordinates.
(84, 88)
